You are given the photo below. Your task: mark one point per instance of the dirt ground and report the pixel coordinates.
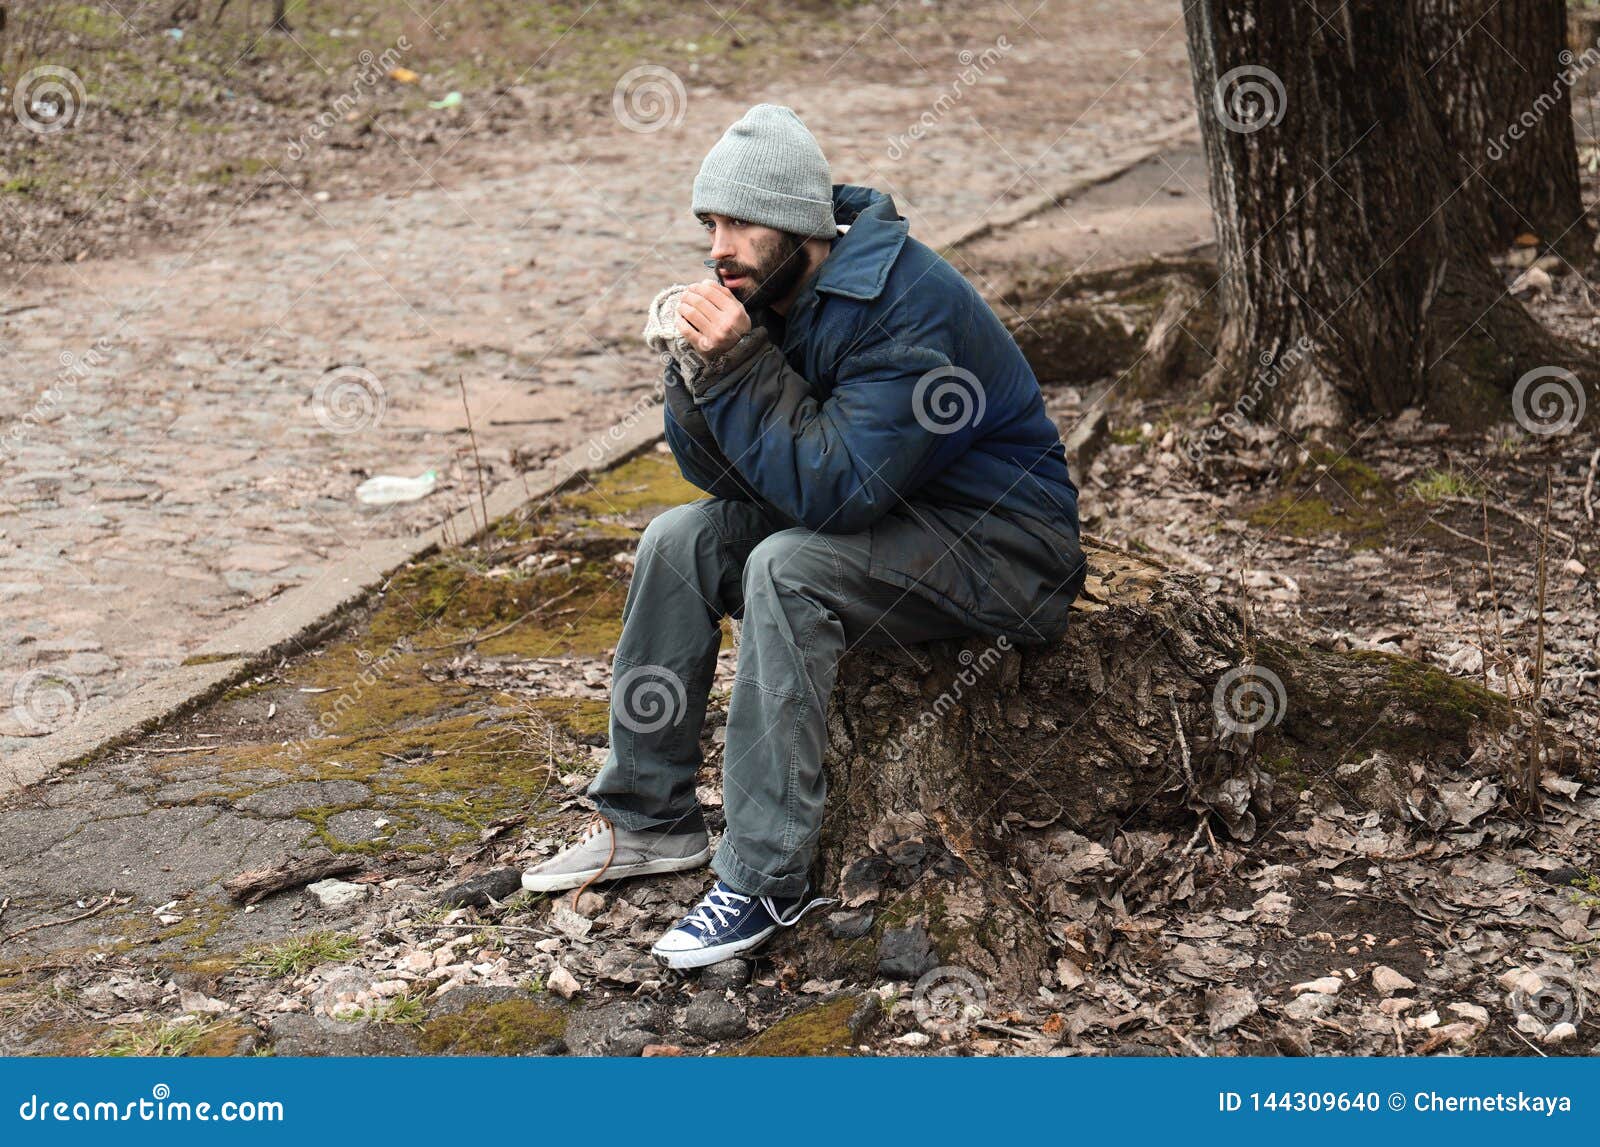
(438, 744)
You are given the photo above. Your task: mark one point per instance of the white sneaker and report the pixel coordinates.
(615, 853)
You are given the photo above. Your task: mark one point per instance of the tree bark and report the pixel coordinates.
(1355, 281)
(967, 780)
(1498, 67)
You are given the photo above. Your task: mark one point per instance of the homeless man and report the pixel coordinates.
(880, 471)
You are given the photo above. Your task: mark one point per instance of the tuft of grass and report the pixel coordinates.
(173, 1038)
(300, 954)
(1437, 485)
(406, 1008)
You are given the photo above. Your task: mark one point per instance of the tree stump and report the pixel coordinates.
(959, 784)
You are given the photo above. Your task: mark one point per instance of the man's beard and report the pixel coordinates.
(774, 276)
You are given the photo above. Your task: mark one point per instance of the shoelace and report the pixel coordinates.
(719, 901)
(598, 825)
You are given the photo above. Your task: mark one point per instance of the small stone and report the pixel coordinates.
(850, 925)
(1471, 1012)
(417, 962)
(1388, 981)
(591, 904)
(568, 922)
(630, 1044)
(712, 1016)
(913, 1039)
(337, 893)
(1522, 980)
(1327, 986)
(497, 884)
(728, 975)
(653, 1050)
(614, 1028)
(201, 1004)
(1561, 1033)
(1309, 1006)
(563, 983)
(1395, 1005)
(905, 953)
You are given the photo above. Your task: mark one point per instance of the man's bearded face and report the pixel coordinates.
(764, 267)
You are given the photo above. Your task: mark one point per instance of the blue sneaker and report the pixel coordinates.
(727, 923)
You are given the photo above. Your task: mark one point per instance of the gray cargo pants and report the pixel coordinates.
(806, 598)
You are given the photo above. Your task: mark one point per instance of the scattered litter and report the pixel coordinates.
(389, 490)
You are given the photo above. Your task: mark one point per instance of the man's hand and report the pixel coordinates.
(710, 318)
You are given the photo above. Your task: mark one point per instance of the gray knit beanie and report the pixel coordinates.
(768, 169)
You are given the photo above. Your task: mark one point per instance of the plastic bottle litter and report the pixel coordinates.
(389, 490)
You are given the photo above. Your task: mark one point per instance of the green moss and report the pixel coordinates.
(1330, 494)
(509, 1027)
(1404, 707)
(444, 604)
(650, 481)
(822, 1029)
(221, 1039)
(90, 21)
(241, 168)
(1283, 764)
(583, 717)
(211, 964)
(210, 658)
(1441, 696)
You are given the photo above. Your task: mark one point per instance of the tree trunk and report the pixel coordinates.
(1354, 281)
(966, 785)
(1498, 67)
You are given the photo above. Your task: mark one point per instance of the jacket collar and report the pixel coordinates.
(859, 263)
